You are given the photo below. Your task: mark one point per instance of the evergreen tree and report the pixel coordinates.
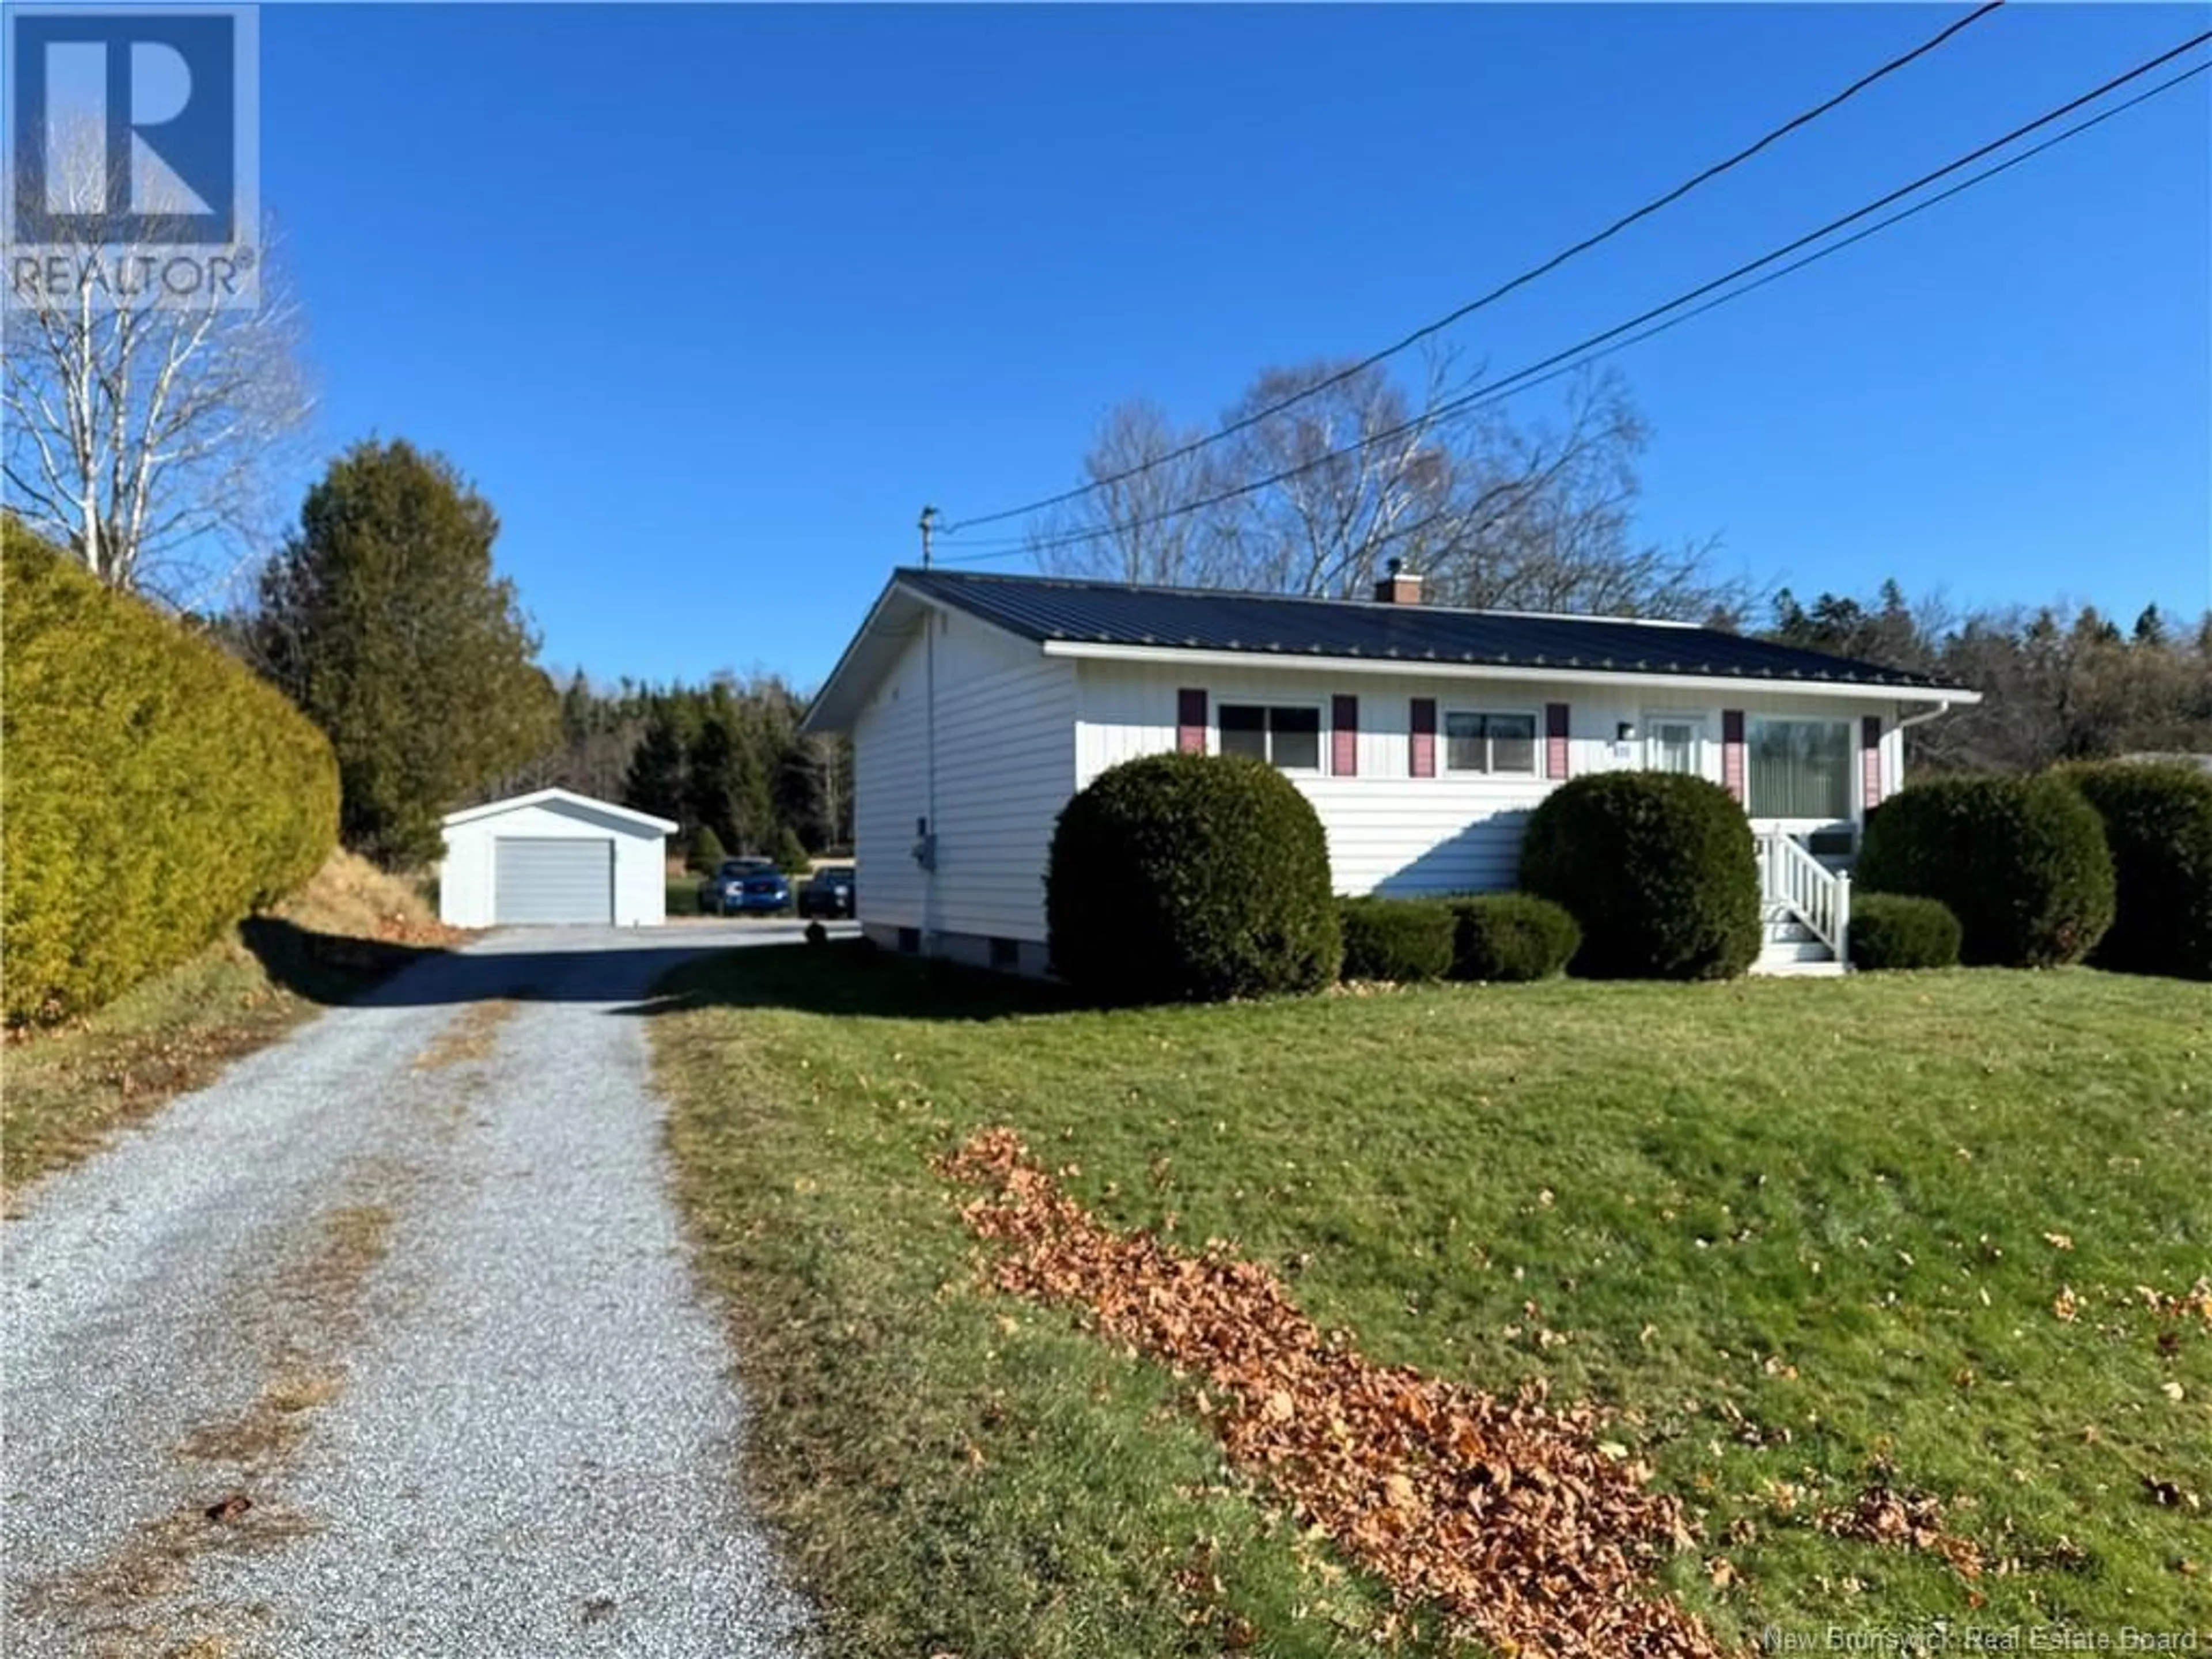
(659, 780)
(579, 711)
(383, 619)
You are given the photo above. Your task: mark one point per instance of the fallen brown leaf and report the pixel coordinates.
(1507, 1514)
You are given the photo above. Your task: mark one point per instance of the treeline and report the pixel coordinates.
(2057, 683)
(726, 757)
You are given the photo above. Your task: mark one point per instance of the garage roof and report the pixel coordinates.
(492, 809)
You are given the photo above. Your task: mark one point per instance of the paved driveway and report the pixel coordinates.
(408, 1290)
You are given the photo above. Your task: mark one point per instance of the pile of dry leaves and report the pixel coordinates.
(1512, 1515)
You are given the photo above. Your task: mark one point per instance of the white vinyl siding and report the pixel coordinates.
(890, 779)
(1387, 831)
(1005, 765)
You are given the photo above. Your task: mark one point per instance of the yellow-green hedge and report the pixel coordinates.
(154, 789)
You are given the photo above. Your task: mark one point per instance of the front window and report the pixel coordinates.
(1800, 768)
(1284, 735)
(1497, 743)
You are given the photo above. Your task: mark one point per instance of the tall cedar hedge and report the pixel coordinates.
(1657, 868)
(154, 790)
(1191, 878)
(2158, 823)
(2021, 862)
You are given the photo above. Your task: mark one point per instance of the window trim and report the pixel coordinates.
(1537, 740)
(1700, 722)
(1853, 811)
(1323, 729)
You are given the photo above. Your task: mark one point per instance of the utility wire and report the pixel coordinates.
(1528, 379)
(1503, 392)
(1428, 329)
(1497, 388)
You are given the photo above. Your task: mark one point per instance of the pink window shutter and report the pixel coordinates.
(1732, 753)
(1422, 728)
(1555, 740)
(1190, 721)
(1344, 736)
(1871, 761)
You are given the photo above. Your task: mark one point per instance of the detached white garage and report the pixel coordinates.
(554, 856)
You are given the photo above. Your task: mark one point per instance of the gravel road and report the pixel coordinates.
(409, 1286)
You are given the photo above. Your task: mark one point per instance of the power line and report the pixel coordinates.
(1429, 330)
(1815, 258)
(1879, 225)
(1530, 373)
(1527, 380)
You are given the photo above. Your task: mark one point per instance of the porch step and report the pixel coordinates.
(1826, 967)
(1790, 932)
(1805, 950)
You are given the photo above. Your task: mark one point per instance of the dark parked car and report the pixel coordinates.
(745, 887)
(827, 892)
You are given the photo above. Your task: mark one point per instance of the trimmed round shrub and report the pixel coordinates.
(1895, 930)
(1511, 936)
(1401, 939)
(1191, 878)
(156, 790)
(2021, 862)
(2158, 825)
(1656, 868)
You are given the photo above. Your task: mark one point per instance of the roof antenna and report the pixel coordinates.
(928, 523)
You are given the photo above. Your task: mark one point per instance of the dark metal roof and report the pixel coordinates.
(1047, 608)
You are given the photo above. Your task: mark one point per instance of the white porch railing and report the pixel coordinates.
(1816, 895)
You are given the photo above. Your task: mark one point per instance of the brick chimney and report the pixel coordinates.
(1398, 587)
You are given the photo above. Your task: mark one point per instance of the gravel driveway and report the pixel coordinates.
(407, 1290)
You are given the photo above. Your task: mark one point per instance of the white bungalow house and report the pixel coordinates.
(979, 704)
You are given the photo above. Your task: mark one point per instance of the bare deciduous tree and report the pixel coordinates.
(1360, 468)
(146, 438)
(1126, 527)
(1313, 496)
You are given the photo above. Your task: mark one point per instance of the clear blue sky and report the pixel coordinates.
(709, 301)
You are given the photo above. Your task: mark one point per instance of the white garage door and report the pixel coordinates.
(553, 879)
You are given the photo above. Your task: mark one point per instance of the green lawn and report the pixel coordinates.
(1801, 1235)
